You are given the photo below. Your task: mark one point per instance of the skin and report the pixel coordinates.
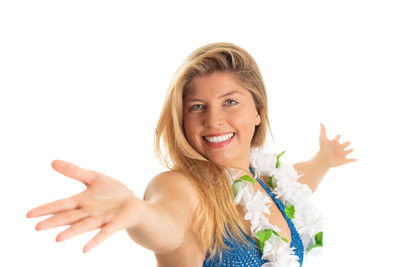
(331, 154)
(169, 197)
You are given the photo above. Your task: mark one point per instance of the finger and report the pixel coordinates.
(344, 145)
(349, 160)
(71, 170)
(53, 207)
(323, 130)
(64, 218)
(337, 137)
(346, 152)
(82, 226)
(105, 233)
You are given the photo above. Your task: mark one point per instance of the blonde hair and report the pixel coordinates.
(216, 215)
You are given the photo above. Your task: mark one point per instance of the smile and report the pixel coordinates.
(219, 141)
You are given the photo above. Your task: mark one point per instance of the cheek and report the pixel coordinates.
(246, 123)
(190, 129)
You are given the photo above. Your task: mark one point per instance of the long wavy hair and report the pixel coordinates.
(216, 215)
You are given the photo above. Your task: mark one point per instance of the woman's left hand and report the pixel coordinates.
(331, 151)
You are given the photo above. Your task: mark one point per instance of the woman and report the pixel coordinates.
(218, 204)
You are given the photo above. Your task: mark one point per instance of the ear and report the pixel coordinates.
(258, 119)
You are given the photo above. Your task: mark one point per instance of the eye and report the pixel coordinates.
(196, 107)
(231, 102)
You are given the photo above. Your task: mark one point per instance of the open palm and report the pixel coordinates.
(332, 151)
(106, 204)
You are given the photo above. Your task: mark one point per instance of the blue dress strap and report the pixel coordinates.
(297, 243)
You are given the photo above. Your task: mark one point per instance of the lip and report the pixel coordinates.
(219, 145)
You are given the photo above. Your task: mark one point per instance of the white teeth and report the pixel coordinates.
(219, 139)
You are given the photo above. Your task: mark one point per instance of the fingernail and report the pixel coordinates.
(58, 238)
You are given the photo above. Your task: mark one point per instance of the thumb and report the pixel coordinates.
(71, 170)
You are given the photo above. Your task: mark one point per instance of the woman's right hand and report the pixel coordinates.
(106, 204)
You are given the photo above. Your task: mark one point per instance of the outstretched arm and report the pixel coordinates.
(157, 224)
(331, 154)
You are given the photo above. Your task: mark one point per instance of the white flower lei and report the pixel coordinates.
(292, 194)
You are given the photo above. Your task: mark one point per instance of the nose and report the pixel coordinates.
(214, 118)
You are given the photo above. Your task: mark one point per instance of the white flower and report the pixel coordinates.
(263, 224)
(270, 247)
(233, 173)
(287, 186)
(285, 257)
(256, 207)
(279, 254)
(262, 161)
(244, 194)
(315, 252)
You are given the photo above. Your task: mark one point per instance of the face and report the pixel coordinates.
(219, 119)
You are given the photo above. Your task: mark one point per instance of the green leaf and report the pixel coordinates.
(247, 178)
(318, 241)
(278, 235)
(290, 211)
(235, 188)
(263, 235)
(281, 154)
(318, 238)
(284, 239)
(275, 233)
(270, 182)
(277, 159)
(235, 185)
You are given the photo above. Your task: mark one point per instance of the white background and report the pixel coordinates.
(84, 81)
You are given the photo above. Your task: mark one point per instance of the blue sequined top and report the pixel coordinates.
(242, 255)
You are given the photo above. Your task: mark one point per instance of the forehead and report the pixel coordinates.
(213, 84)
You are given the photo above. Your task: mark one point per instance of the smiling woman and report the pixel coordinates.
(224, 201)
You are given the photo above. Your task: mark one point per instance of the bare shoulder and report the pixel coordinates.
(177, 194)
(173, 187)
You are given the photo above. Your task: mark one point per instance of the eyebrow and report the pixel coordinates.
(221, 96)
